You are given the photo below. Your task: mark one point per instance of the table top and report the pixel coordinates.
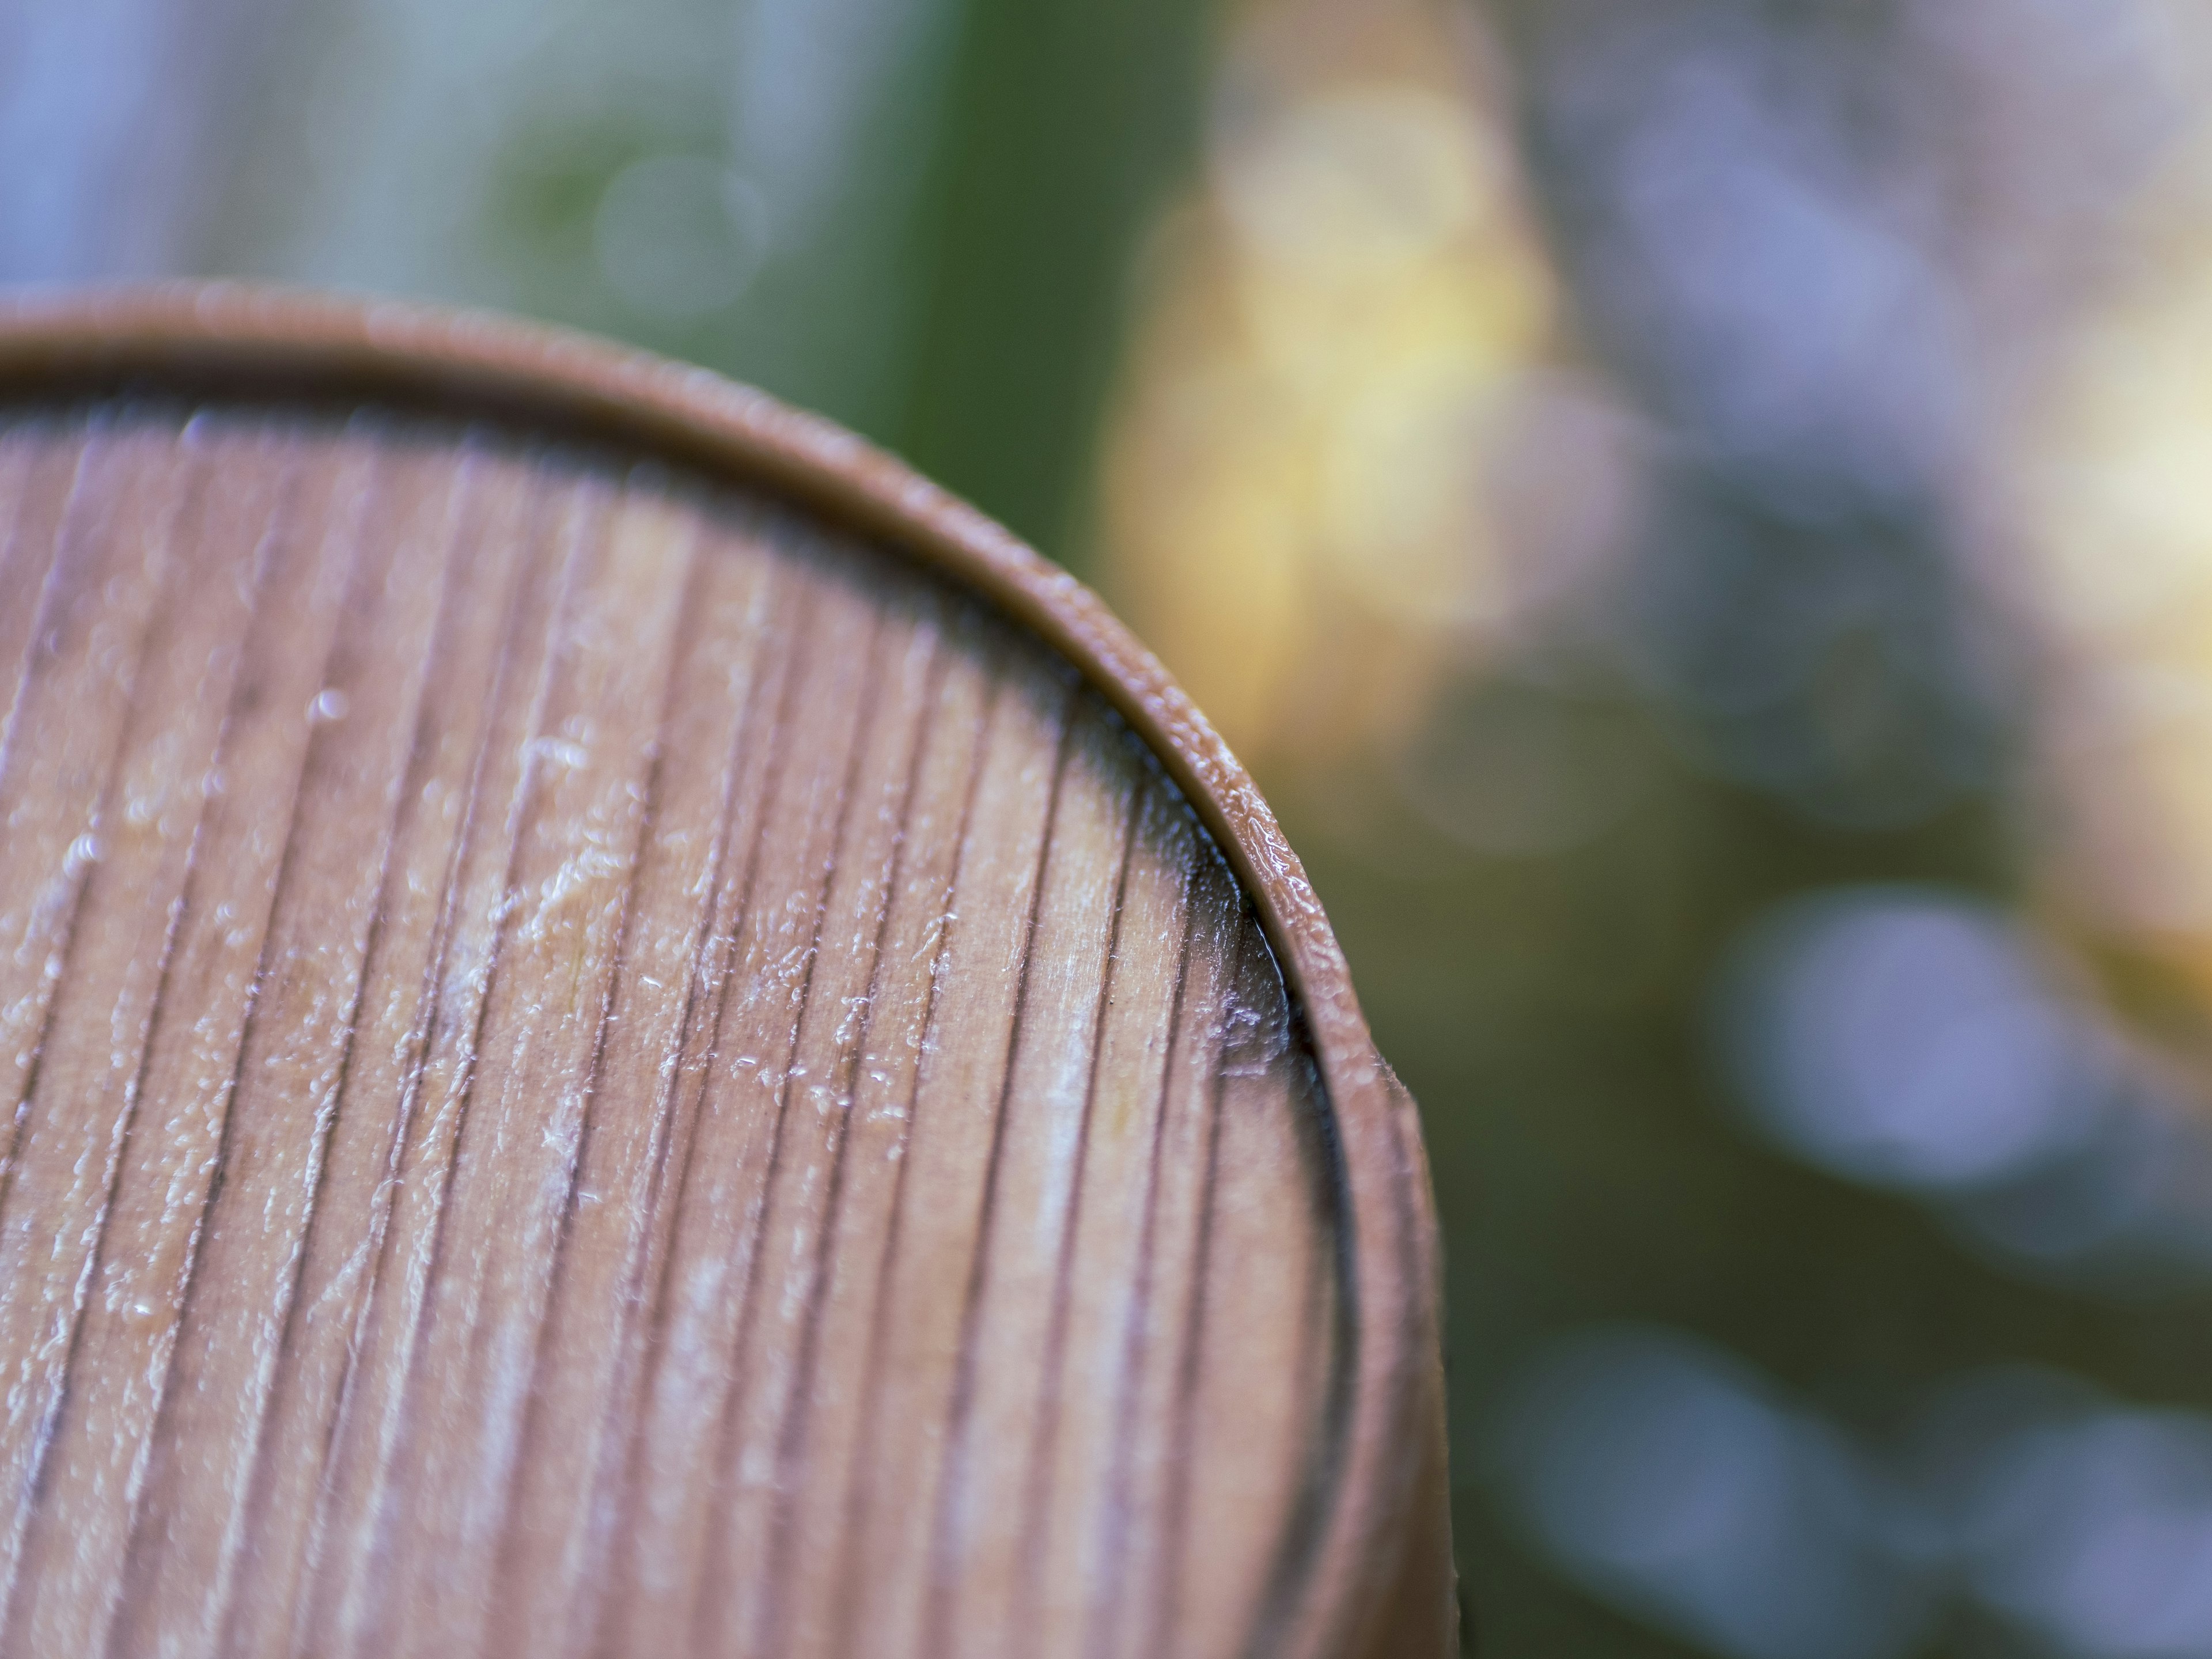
(633, 1033)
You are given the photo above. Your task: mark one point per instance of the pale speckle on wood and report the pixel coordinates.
(596, 1067)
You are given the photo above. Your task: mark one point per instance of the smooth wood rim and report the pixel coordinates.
(241, 341)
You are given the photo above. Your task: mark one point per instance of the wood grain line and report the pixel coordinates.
(1097, 1292)
(706, 1615)
(611, 1069)
(758, 758)
(91, 1478)
(832, 1028)
(158, 1410)
(1259, 1448)
(783, 1529)
(988, 840)
(754, 756)
(1134, 1576)
(540, 1622)
(48, 1262)
(687, 612)
(545, 1006)
(47, 593)
(1024, 1607)
(715, 1236)
(1312, 1487)
(380, 1364)
(1329, 1316)
(840, 1417)
(236, 1303)
(343, 1248)
(23, 574)
(1113, 1599)
(442, 626)
(657, 1268)
(46, 459)
(49, 803)
(1175, 1522)
(937, 1608)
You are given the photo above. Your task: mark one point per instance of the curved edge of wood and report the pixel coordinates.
(1386, 1552)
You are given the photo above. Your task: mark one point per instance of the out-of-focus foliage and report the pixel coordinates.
(913, 216)
(1350, 321)
(1700, 514)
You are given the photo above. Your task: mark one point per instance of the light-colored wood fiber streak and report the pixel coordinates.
(597, 1066)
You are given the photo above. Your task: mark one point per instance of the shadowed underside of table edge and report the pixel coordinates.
(1381, 1584)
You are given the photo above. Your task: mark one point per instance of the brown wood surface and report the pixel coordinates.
(628, 1034)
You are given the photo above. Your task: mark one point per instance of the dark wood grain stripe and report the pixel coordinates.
(841, 1427)
(80, 1085)
(92, 1471)
(1101, 1302)
(1152, 1477)
(756, 766)
(719, 1439)
(240, 1272)
(565, 901)
(605, 1070)
(472, 658)
(1049, 990)
(958, 1116)
(69, 717)
(715, 703)
(794, 1427)
(781, 1297)
(44, 459)
(343, 1596)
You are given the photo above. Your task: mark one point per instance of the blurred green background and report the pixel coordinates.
(1700, 514)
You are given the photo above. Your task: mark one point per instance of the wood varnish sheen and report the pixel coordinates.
(627, 1033)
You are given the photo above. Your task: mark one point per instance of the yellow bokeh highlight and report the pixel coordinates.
(2111, 474)
(1344, 315)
